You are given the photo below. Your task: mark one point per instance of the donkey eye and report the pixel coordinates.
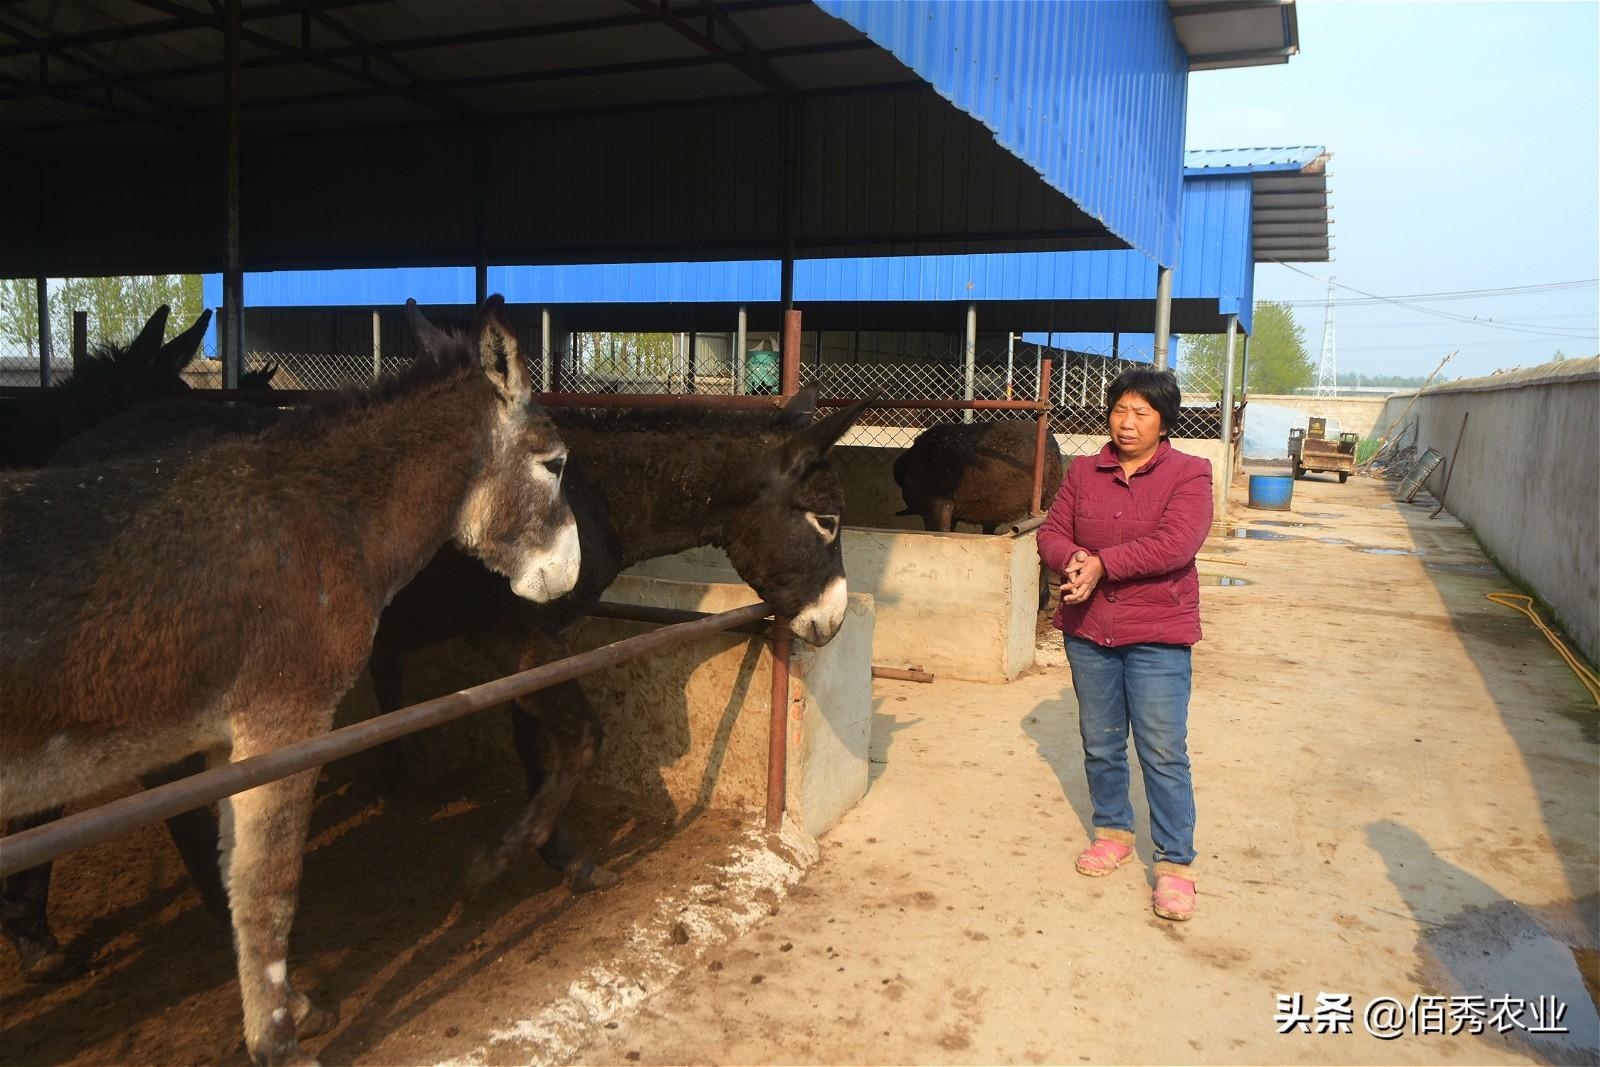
(556, 466)
(826, 525)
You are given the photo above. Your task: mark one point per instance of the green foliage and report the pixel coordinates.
(1279, 362)
(1365, 449)
(116, 307)
(19, 316)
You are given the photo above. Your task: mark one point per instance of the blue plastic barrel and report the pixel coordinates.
(1271, 492)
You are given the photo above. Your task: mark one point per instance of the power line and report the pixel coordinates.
(1456, 294)
(1526, 328)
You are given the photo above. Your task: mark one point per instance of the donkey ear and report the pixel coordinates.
(148, 344)
(806, 448)
(176, 353)
(801, 408)
(432, 339)
(497, 349)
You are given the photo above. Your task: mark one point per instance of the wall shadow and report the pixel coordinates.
(1476, 942)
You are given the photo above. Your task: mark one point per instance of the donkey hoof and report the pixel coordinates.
(283, 1055)
(585, 876)
(310, 1020)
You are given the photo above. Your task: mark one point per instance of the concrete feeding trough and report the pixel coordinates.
(692, 720)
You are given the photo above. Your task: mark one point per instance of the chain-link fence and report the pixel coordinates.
(333, 351)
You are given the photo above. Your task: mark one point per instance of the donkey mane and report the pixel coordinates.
(446, 366)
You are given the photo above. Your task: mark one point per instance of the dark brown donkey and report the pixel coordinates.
(642, 485)
(324, 517)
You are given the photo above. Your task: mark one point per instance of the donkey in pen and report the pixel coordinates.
(111, 380)
(328, 515)
(641, 485)
(980, 473)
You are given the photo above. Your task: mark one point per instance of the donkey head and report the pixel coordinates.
(515, 517)
(783, 537)
(150, 368)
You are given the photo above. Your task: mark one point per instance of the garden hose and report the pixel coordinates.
(1523, 603)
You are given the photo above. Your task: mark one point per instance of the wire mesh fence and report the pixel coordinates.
(925, 366)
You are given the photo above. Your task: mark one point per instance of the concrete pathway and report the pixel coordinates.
(1397, 788)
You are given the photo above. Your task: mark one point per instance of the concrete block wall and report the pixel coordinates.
(1527, 479)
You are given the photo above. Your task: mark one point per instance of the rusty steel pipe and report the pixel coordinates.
(649, 613)
(33, 847)
(939, 405)
(903, 674)
(1027, 525)
(789, 354)
(1038, 443)
(778, 731)
(657, 401)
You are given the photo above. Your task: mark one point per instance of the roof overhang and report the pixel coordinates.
(412, 132)
(1220, 34)
(1289, 220)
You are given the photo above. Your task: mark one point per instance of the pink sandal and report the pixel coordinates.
(1103, 857)
(1174, 897)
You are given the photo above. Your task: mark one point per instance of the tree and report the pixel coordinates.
(1279, 362)
(19, 314)
(118, 307)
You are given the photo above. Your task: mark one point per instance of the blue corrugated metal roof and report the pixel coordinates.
(1204, 161)
(1216, 266)
(1090, 93)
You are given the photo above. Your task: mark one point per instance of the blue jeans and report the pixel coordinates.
(1147, 687)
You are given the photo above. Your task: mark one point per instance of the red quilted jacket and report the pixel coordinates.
(1146, 531)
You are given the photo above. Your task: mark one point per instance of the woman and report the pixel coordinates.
(1123, 533)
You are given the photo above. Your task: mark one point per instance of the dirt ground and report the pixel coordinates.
(1397, 787)
(1398, 791)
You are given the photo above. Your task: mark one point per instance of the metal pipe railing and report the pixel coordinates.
(82, 829)
(778, 729)
(1039, 438)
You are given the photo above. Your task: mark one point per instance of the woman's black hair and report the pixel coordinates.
(1159, 387)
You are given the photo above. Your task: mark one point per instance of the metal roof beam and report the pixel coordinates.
(190, 20)
(400, 65)
(163, 115)
(488, 81)
(748, 60)
(262, 40)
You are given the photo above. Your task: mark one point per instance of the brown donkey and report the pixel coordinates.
(125, 646)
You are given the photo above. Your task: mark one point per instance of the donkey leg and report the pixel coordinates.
(195, 834)
(568, 735)
(263, 846)
(24, 918)
(561, 852)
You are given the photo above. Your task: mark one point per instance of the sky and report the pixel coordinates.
(1466, 149)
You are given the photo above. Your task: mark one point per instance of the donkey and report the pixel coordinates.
(112, 380)
(980, 473)
(642, 485)
(328, 515)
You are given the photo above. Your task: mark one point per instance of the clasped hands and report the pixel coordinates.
(1082, 574)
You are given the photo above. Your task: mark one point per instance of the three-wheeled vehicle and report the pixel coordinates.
(1310, 450)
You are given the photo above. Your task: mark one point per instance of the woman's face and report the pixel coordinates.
(1135, 425)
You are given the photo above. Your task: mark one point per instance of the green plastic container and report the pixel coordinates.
(762, 372)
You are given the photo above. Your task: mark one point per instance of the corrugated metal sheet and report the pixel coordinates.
(1090, 93)
(1216, 267)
